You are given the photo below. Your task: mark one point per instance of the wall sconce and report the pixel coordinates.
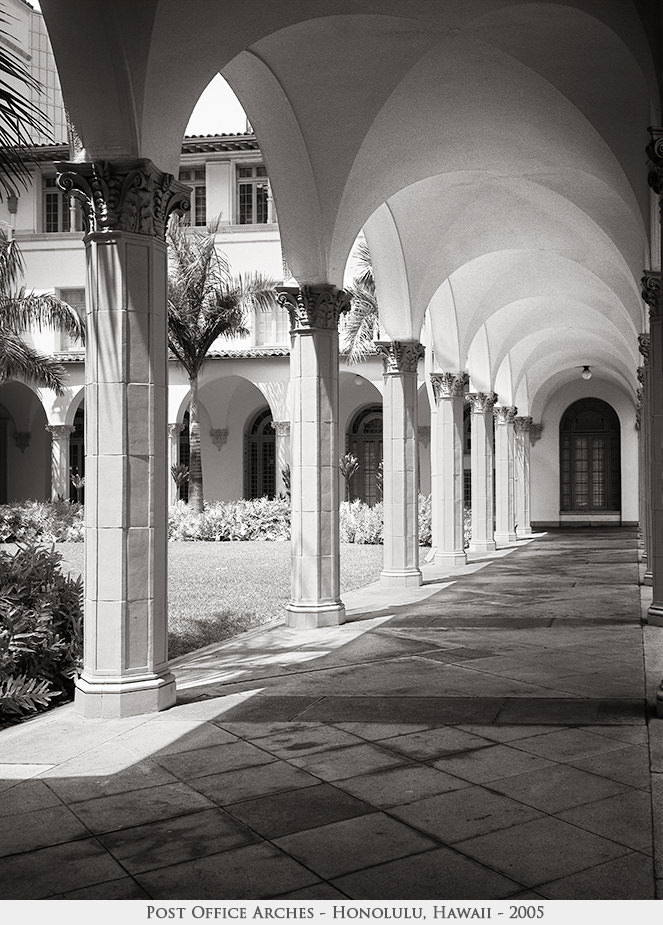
(586, 372)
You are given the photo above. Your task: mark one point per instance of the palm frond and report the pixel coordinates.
(24, 310)
(20, 361)
(365, 279)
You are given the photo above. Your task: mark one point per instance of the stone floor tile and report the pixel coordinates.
(627, 765)
(76, 786)
(292, 743)
(175, 737)
(348, 762)
(249, 783)
(53, 743)
(25, 796)
(342, 847)
(462, 814)
(625, 818)
(51, 871)
(39, 828)
(487, 764)
(375, 731)
(124, 810)
(254, 872)
(298, 810)
(628, 877)
(425, 710)
(11, 774)
(556, 788)
(317, 891)
(257, 730)
(433, 743)
(171, 841)
(126, 888)
(213, 760)
(571, 711)
(398, 786)
(506, 733)
(266, 708)
(437, 874)
(541, 850)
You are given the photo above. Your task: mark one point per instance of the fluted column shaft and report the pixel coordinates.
(505, 499)
(400, 463)
(483, 539)
(522, 427)
(60, 434)
(447, 468)
(126, 205)
(315, 547)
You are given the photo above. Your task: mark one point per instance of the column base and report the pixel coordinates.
(113, 698)
(312, 616)
(648, 579)
(410, 578)
(526, 531)
(504, 538)
(482, 547)
(449, 559)
(655, 614)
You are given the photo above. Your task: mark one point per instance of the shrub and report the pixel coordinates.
(361, 523)
(43, 521)
(221, 521)
(41, 636)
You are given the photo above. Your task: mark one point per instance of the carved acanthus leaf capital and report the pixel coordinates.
(641, 373)
(505, 414)
(281, 428)
(655, 159)
(643, 346)
(481, 402)
(399, 356)
(59, 431)
(651, 293)
(314, 307)
(523, 424)
(174, 430)
(130, 195)
(449, 385)
(535, 432)
(219, 437)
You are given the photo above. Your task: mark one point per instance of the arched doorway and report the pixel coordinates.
(77, 457)
(589, 458)
(260, 457)
(364, 441)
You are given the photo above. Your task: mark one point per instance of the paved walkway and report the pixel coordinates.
(485, 736)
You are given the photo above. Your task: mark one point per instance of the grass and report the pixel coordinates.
(217, 590)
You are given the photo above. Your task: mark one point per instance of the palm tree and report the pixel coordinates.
(205, 301)
(22, 311)
(362, 321)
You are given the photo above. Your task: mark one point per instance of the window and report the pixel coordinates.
(364, 441)
(589, 457)
(272, 326)
(253, 195)
(61, 212)
(260, 457)
(195, 178)
(75, 298)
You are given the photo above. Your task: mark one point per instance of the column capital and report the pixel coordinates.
(282, 428)
(174, 430)
(316, 307)
(219, 437)
(643, 346)
(639, 399)
(523, 424)
(127, 194)
(505, 414)
(481, 402)
(449, 385)
(651, 293)
(655, 159)
(399, 356)
(641, 373)
(535, 432)
(59, 431)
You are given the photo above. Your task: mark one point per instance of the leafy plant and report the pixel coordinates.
(180, 474)
(78, 483)
(348, 464)
(46, 521)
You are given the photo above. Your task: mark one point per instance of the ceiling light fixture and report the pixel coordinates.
(586, 372)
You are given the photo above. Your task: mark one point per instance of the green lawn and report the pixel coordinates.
(216, 590)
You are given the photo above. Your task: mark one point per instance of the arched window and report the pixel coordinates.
(364, 441)
(77, 456)
(260, 457)
(589, 463)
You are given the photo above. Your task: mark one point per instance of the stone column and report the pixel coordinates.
(522, 427)
(315, 582)
(282, 452)
(505, 493)
(447, 468)
(126, 203)
(644, 457)
(651, 293)
(400, 463)
(174, 431)
(482, 403)
(59, 459)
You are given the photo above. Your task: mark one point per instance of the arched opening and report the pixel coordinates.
(589, 458)
(184, 456)
(364, 440)
(77, 458)
(260, 457)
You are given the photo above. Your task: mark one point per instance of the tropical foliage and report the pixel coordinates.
(361, 324)
(205, 301)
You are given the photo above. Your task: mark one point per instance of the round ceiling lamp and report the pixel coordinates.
(586, 372)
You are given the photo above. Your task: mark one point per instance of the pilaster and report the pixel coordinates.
(60, 434)
(483, 538)
(400, 463)
(522, 428)
(447, 467)
(505, 498)
(314, 483)
(644, 453)
(126, 204)
(651, 293)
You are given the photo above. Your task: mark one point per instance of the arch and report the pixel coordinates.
(77, 455)
(260, 456)
(589, 458)
(364, 440)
